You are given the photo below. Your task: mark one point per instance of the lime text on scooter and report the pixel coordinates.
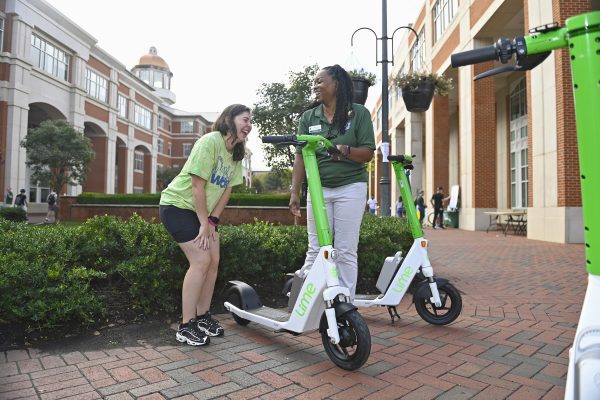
(306, 299)
(403, 280)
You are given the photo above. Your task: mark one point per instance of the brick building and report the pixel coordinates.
(508, 141)
(50, 68)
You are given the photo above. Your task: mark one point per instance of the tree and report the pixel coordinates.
(58, 154)
(278, 111)
(165, 175)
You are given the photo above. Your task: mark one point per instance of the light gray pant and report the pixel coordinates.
(345, 208)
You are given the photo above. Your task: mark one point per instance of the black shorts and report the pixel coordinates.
(183, 225)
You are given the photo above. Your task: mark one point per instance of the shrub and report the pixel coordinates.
(41, 285)
(237, 199)
(15, 214)
(54, 275)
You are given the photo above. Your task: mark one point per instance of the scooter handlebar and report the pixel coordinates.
(488, 53)
(279, 139)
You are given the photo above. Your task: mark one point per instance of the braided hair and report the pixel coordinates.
(343, 95)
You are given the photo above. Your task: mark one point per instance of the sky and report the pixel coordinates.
(220, 52)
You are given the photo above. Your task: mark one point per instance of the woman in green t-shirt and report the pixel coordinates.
(343, 176)
(190, 208)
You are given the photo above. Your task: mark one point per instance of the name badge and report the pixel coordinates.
(314, 128)
(348, 125)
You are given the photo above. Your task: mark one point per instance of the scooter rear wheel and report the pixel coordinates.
(234, 298)
(449, 310)
(355, 341)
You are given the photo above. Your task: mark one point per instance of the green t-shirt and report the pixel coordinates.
(359, 133)
(211, 161)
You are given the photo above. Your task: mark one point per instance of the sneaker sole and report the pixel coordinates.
(208, 333)
(181, 339)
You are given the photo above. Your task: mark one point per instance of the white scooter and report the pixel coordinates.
(319, 302)
(436, 300)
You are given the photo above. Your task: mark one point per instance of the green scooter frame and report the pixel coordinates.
(581, 36)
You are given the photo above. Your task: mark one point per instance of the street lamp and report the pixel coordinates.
(384, 182)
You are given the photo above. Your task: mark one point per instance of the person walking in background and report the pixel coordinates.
(51, 200)
(190, 208)
(421, 206)
(437, 201)
(8, 199)
(21, 200)
(399, 207)
(344, 175)
(372, 204)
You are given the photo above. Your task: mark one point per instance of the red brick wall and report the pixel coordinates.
(477, 9)
(143, 136)
(124, 89)
(569, 186)
(483, 123)
(70, 211)
(441, 150)
(144, 101)
(94, 111)
(96, 181)
(447, 49)
(99, 66)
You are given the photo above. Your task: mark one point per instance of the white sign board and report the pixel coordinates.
(453, 198)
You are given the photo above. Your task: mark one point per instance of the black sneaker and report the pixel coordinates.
(210, 326)
(191, 334)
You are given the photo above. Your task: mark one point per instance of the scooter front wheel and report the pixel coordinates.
(448, 311)
(355, 341)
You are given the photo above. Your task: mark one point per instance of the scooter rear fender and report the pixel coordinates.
(248, 297)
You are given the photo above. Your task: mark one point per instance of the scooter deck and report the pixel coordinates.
(272, 313)
(368, 296)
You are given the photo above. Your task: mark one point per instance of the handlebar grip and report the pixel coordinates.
(279, 139)
(488, 53)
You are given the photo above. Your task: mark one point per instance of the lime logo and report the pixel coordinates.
(333, 272)
(306, 299)
(403, 280)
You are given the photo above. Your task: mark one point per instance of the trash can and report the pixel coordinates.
(451, 218)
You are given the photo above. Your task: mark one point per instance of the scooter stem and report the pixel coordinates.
(409, 205)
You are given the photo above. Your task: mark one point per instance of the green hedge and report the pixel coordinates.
(55, 276)
(237, 199)
(15, 214)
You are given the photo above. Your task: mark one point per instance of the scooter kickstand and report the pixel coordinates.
(393, 312)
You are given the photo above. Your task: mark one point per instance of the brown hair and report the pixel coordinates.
(225, 125)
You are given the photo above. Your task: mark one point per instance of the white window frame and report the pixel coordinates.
(170, 148)
(187, 126)
(518, 157)
(96, 85)
(443, 13)
(122, 105)
(49, 58)
(187, 149)
(1, 31)
(160, 121)
(142, 116)
(160, 146)
(417, 53)
(138, 161)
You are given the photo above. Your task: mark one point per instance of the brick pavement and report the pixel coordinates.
(521, 305)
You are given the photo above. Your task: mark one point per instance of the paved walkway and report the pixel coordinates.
(521, 305)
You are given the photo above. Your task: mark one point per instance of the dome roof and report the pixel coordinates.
(153, 59)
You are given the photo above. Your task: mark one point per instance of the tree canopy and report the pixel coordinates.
(58, 154)
(278, 111)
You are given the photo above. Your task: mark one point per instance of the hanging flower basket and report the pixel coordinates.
(361, 82)
(360, 90)
(418, 100)
(418, 89)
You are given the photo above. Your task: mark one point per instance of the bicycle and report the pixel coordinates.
(581, 35)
